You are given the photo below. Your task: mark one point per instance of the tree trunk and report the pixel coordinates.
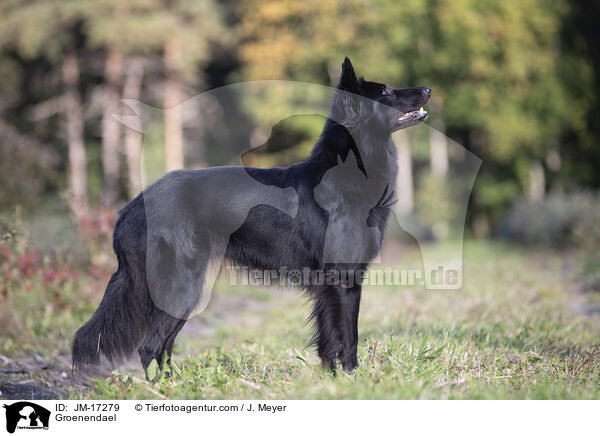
(537, 181)
(111, 128)
(75, 139)
(172, 100)
(404, 184)
(133, 139)
(438, 146)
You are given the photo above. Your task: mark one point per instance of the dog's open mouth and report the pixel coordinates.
(420, 115)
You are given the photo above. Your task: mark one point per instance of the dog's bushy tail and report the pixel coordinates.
(122, 319)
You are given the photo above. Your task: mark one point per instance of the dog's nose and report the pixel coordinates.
(427, 90)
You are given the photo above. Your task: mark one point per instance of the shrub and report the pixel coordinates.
(559, 220)
(42, 298)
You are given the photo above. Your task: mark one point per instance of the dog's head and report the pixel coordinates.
(373, 102)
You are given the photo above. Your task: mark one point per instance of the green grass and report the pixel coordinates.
(510, 333)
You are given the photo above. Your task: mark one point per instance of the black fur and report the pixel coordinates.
(122, 319)
(270, 238)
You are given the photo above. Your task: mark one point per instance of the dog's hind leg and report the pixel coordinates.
(160, 338)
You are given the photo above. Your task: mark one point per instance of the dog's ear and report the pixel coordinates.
(348, 80)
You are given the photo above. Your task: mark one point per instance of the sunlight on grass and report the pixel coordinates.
(508, 333)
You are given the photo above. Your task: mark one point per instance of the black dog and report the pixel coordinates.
(337, 224)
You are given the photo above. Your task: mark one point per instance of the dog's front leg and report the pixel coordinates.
(349, 304)
(336, 316)
(326, 315)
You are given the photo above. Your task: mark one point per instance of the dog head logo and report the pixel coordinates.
(26, 415)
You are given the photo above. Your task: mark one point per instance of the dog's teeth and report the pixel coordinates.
(421, 110)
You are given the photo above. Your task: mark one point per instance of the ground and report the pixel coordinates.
(523, 326)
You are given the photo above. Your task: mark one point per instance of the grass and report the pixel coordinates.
(510, 333)
(517, 329)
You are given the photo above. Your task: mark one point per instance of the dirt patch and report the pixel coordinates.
(38, 378)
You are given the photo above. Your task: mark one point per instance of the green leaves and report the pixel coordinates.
(153, 371)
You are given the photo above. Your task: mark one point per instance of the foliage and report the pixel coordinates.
(496, 68)
(557, 221)
(513, 81)
(42, 298)
(494, 64)
(435, 204)
(144, 27)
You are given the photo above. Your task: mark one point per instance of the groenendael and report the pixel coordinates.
(337, 226)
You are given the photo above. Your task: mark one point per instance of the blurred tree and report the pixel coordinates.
(118, 29)
(183, 30)
(405, 184)
(47, 28)
(580, 72)
(515, 82)
(134, 72)
(172, 98)
(493, 66)
(497, 64)
(111, 130)
(75, 135)
(189, 30)
(307, 40)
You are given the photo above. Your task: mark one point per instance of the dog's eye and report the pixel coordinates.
(386, 91)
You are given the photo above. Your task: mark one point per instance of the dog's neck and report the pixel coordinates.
(375, 153)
